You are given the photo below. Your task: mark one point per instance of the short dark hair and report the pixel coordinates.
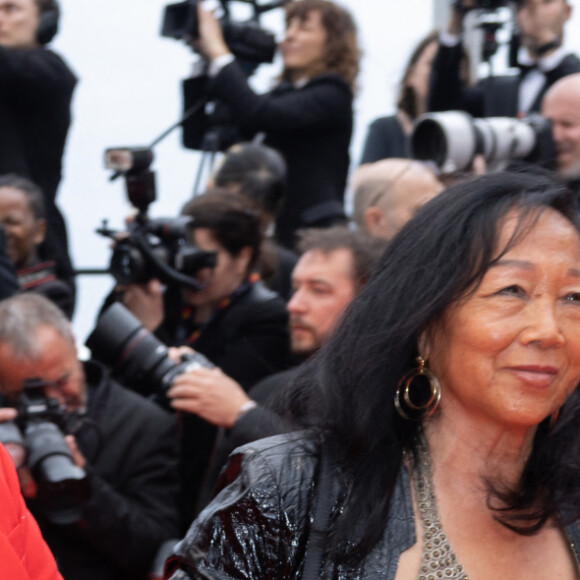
(366, 250)
(346, 392)
(342, 52)
(258, 170)
(32, 192)
(233, 220)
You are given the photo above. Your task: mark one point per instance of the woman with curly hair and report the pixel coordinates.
(308, 116)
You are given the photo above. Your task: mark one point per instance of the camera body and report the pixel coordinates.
(247, 40)
(36, 438)
(137, 358)
(155, 249)
(451, 140)
(150, 248)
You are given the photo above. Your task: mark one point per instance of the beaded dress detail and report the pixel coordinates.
(438, 561)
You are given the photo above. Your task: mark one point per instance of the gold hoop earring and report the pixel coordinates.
(417, 412)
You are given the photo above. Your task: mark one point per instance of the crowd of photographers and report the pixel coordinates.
(213, 310)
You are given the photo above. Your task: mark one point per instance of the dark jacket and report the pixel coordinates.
(131, 448)
(491, 97)
(311, 126)
(36, 88)
(385, 139)
(258, 525)
(248, 340)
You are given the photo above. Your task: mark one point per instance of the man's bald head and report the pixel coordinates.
(388, 193)
(561, 105)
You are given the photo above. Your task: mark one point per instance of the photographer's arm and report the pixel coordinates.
(325, 101)
(210, 43)
(447, 89)
(210, 394)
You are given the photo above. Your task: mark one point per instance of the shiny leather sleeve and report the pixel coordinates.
(256, 527)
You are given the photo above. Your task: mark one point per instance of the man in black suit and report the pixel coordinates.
(541, 58)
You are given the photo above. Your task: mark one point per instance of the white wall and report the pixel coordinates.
(129, 93)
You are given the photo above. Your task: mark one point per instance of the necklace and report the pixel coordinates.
(438, 560)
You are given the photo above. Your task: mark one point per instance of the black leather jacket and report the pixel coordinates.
(258, 525)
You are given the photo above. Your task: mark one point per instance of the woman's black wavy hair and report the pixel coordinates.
(345, 393)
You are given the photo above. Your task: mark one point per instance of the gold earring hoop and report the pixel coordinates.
(415, 412)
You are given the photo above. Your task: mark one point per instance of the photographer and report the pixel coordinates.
(542, 60)
(308, 117)
(22, 214)
(258, 172)
(36, 88)
(126, 446)
(234, 320)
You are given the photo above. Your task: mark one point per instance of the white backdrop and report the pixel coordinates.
(128, 94)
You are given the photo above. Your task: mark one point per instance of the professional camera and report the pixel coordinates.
(208, 123)
(36, 439)
(452, 139)
(136, 357)
(247, 40)
(150, 248)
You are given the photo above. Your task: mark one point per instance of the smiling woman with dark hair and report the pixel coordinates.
(441, 420)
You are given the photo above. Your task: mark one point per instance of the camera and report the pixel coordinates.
(136, 357)
(36, 438)
(451, 139)
(247, 40)
(150, 248)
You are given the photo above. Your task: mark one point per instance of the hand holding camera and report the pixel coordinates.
(50, 465)
(209, 394)
(210, 43)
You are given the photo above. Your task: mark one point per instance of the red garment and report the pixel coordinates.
(23, 552)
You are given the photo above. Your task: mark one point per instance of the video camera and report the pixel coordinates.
(136, 357)
(36, 438)
(208, 123)
(451, 140)
(150, 248)
(247, 40)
